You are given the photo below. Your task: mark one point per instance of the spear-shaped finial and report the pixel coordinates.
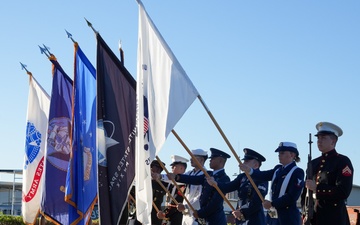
(43, 51)
(69, 35)
(47, 49)
(90, 25)
(23, 67)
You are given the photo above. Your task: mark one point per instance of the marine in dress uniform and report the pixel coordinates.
(287, 184)
(332, 178)
(211, 202)
(249, 202)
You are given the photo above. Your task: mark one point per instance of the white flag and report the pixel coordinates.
(35, 142)
(164, 93)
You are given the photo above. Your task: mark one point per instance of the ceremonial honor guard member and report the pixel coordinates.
(211, 202)
(286, 186)
(171, 213)
(193, 192)
(249, 210)
(158, 192)
(332, 178)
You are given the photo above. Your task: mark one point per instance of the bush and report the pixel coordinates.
(11, 220)
(17, 220)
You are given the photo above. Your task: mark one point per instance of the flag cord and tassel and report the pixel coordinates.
(176, 185)
(202, 169)
(231, 148)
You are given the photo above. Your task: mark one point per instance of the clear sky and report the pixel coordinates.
(267, 70)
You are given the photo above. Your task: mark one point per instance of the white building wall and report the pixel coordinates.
(354, 198)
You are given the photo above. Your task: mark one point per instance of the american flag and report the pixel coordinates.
(146, 116)
(146, 125)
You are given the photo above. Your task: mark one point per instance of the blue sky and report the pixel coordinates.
(267, 70)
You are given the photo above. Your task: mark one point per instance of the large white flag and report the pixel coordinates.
(164, 93)
(35, 142)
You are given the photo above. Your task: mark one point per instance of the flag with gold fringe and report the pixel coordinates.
(35, 144)
(53, 205)
(81, 182)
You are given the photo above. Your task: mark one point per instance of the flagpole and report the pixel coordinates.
(167, 191)
(76, 45)
(90, 25)
(23, 67)
(70, 36)
(231, 148)
(43, 51)
(202, 168)
(155, 207)
(176, 185)
(132, 198)
(121, 53)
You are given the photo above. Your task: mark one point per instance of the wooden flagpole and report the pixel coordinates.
(167, 191)
(202, 169)
(231, 148)
(176, 185)
(153, 203)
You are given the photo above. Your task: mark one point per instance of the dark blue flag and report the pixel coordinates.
(116, 127)
(53, 205)
(81, 183)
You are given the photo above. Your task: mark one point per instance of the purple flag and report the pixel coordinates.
(53, 205)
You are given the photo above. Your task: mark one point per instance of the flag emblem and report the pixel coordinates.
(59, 142)
(33, 141)
(105, 141)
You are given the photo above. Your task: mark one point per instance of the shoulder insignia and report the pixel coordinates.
(346, 171)
(299, 182)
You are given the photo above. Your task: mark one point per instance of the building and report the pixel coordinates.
(11, 193)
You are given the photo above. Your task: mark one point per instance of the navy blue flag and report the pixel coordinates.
(53, 205)
(116, 133)
(81, 182)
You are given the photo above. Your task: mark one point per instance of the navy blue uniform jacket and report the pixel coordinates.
(285, 205)
(211, 202)
(251, 205)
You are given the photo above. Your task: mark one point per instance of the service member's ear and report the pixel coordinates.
(293, 155)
